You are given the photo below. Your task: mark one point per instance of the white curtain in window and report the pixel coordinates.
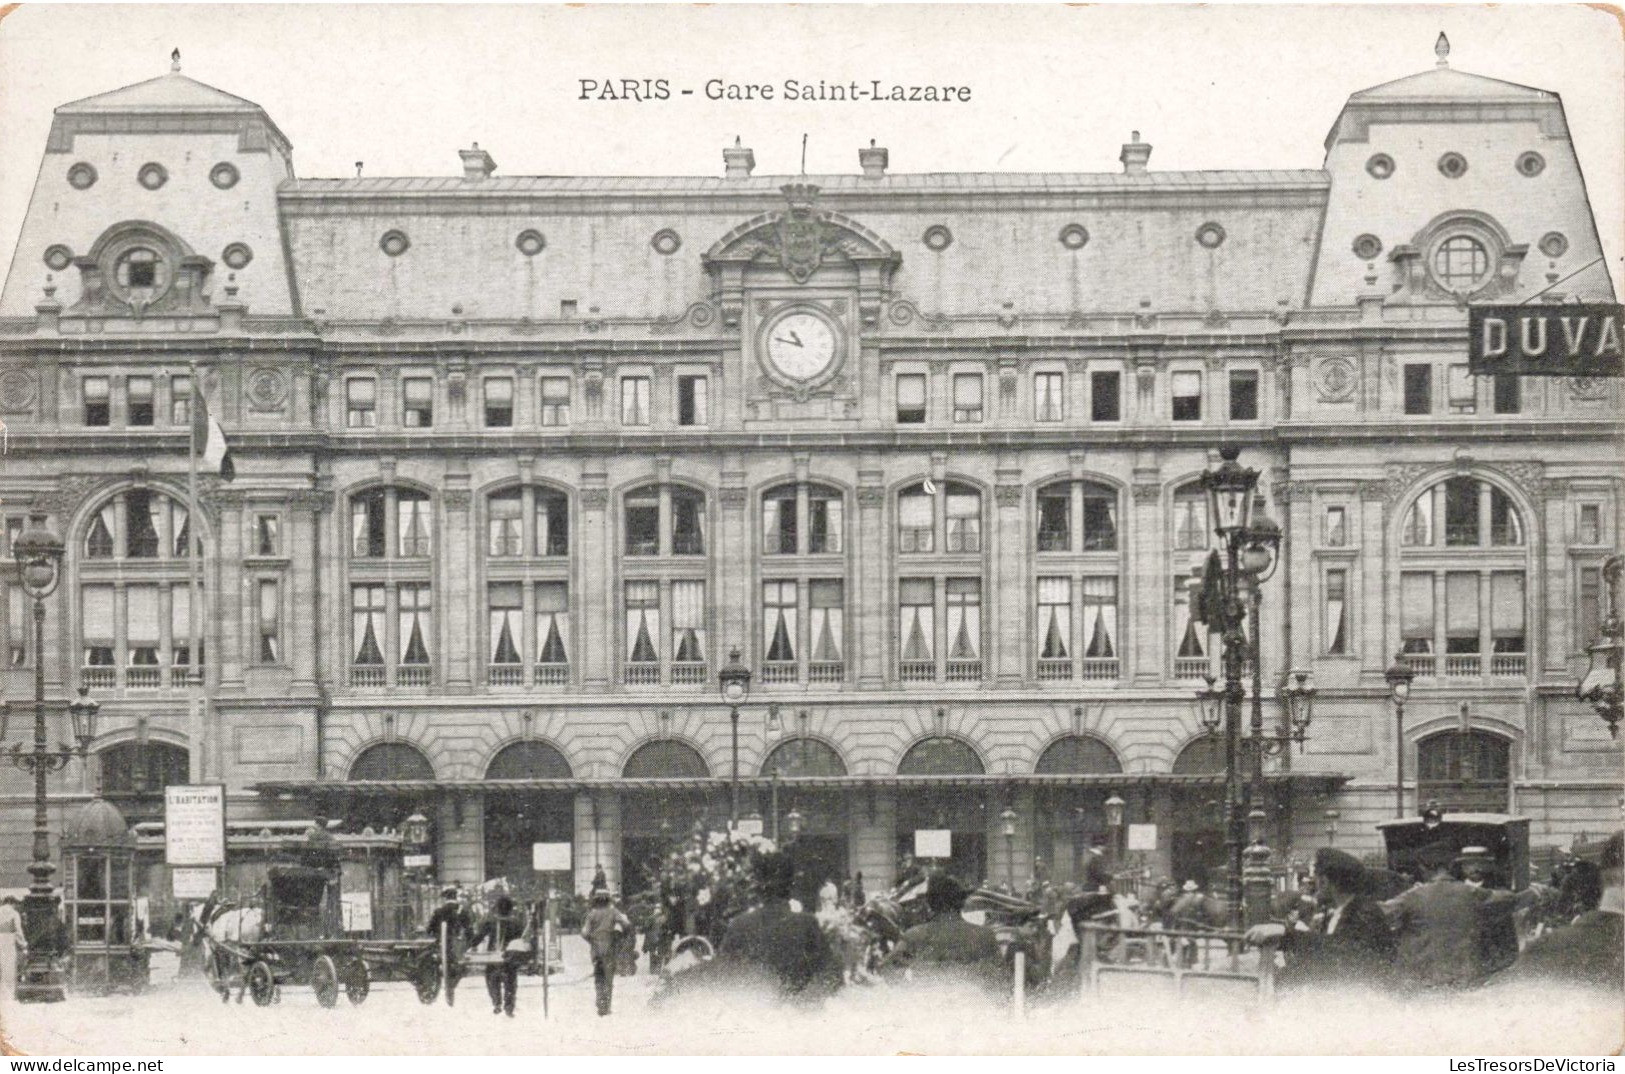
(141, 615)
(552, 623)
(642, 622)
(911, 391)
(96, 614)
(361, 392)
(367, 625)
(180, 617)
(827, 620)
(183, 528)
(414, 618)
(1461, 604)
(770, 525)
(1418, 527)
(968, 390)
(359, 515)
(1192, 638)
(964, 514)
(1190, 522)
(1336, 619)
(1463, 388)
(964, 619)
(832, 512)
(1055, 618)
(1100, 618)
(499, 392)
(779, 621)
(1416, 606)
(917, 618)
(270, 618)
(505, 523)
(1187, 384)
(507, 630)
(688, 621)
(1047, 396)
(413, 526)
(635, 401)
(1506, 603)
(914, 511)
(99, 539)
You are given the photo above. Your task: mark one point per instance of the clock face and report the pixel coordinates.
(801, 346)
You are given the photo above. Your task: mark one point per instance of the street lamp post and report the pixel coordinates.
(38, 551)
(1604, 684)
(735, 680)
(1009, 819)
(1399, 676)
(1114, 821)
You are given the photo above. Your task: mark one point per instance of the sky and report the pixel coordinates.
(1052, 88)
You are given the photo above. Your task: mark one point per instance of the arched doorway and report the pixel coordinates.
(1197, 841)
(517, 818)
(821, 849)
(134, 774)
(385, 762)
(1068, 820)
(1465, 772)
(655, 818)
(963, 812)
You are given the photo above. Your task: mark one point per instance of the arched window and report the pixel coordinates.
(391, 761)
(1201, 757)
(1077, 516)
(1463, 582)
(664, 520)
(516, 820)
(391, 523)
(945, 517)
(528, 587)
(803, 757)
(960, 530)
(940, 756)
(135, 592)
(665, 759)
(804, 519)
(391, 603)
(1077, 527)
(664, 608)
(1078, 755)
(136, 768)
(1465, 773)
(528, 760)
(527, 521)
(803, 603)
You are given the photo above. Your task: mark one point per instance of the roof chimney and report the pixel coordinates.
(477, 163)
(874, 159)
(1134, 155)
(737, 161)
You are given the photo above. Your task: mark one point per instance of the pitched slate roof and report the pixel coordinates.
(173, 92)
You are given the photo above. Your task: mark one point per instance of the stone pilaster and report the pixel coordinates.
(459, 573)
(595, 600)
(869, 640)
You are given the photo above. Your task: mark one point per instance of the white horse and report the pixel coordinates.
(217, 926)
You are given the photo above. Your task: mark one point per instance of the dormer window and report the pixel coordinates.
(139, 273)
(1461, 263)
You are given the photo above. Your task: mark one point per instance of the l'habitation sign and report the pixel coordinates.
(1547, 341)
(195, 825)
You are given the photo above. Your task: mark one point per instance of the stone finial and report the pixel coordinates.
(737, 160)
(477, 163)
(1441, 49)
(175, 62)
(358, 169)
(873, 160)
(1135, 154)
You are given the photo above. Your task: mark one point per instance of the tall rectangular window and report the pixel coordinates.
(552, 524)
(916, 620)
(1055, 619)
(964, 608)
(967, 398)
(180, 400)
(141, 625)
(360, 403)
(138, 391)
(1461, 512)
(634, 400)
(417, 402)
(911, 398)
(687, 525)
(498, 402)
(1190, 523)
(505, 525)
(414, 624)
(367, 632)
(916, 528)
(507, 631)
(98, 402)
(1187, 395)
(1461, 613)
(688, 622)
(1508, 393)
(1418, 389)
(1055, 521)
(1336, 532)
(367, 530)
(642, 622)
(825, 516)
(1099, 523)
(1106, 396)
(779, 525)
(1243, 395)
(691, 401)
(1416, 612)
(827, 620)
(1506, 612)
(555, 401)
(414, 524)
(552, 623)
(1588, 609)
(180, 626)
(1337, 613)
(270, 623)
(1463, 389)
(964, 518)
(1589, 530)
(267, 535)
(1191, 637)
(642, 516)
(779, 622)
(1100, 618)
(1049, 396)
(96, 624)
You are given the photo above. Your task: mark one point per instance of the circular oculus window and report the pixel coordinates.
(1461, 263)
(937, 237)
(1210, 235)
(394, 243)
(666, 242)
(1367, 247)
(237, 255)
(58, 257)
(224, 175)
(1554, 244)
(1380, 166)
(1074, 236)
(530, 242)
(81, 176)
(152, 176)
(1531, 164)
(1452, 165)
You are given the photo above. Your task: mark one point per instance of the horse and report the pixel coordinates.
(216, 923)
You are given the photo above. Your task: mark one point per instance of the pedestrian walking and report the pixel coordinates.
(504, 931)
(1441, 927)
(459, 934)
(13, 946)
(602, 929)
(774, 941)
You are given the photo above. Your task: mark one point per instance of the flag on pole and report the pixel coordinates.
(1065, 937)
(210, 438)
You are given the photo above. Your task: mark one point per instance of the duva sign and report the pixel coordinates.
(1547, 341)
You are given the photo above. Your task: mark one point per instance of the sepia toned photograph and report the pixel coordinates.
(811, 530)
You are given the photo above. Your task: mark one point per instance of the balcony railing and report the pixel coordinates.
(1054, 670)
(1509, 665)
(1099, 669)
(917, 671)
(1190, 667)
(367, 675)
(964, 671)
(414, 675)
(779, 671)
(1421, 663)
(552, 674)
(1463, 665)
(505, 675)
(641, 674)
(826, 671)
(687, 674)
(100, 676)
(143, 678)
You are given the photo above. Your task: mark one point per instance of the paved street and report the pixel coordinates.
(185, 1018)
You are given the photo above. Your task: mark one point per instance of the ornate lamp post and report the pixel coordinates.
(735, 680)
(1603, 684)
(1114, 821)
(1009, 819)
(1399, 676)
(38, 551)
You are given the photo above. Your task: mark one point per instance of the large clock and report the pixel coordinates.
(801, 346)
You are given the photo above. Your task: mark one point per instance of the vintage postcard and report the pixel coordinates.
(811, 529)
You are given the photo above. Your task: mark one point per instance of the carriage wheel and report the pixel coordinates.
(324, 978)
(356, 982)
(426, 980)
(261, 984)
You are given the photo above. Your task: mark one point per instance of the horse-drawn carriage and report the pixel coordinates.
(1416, 845)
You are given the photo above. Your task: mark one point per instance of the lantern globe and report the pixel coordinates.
(1114, 811)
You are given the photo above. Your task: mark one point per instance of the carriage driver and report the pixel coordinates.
(459, 934)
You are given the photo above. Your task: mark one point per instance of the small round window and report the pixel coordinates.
(937, 237)
(1461, 263)
(1554, 244)
(237, 255)
(1531, 164)
(140, 273)
(224, 175)
(1452, 165)
(1380, 166)
(1210, 235)
(666, 241)
(152, 176)
(530, 242)
(394, 243)
(81, 176)
(1367, 247)
(58, 257)
(1074, 236)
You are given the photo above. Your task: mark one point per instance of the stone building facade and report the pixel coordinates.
(520, 460)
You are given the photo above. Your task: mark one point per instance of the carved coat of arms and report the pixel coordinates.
(801, 243)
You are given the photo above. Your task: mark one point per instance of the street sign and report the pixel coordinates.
(933, 843)
(357, 909)
(748, 825)
(1547, 341)
(418, 861)
(550, 857)
(192, 883)
(195, 824)
(1142, 837)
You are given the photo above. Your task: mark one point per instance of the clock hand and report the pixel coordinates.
(791, 342)
(796, 337)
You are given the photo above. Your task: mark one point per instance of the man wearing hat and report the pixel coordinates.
(603, 928)
(1349, 942)
(1095, 874)
(784, 946)
(504, 930)
(947, 947)
(1441, 926)
(1589, 952)
(451, 920)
